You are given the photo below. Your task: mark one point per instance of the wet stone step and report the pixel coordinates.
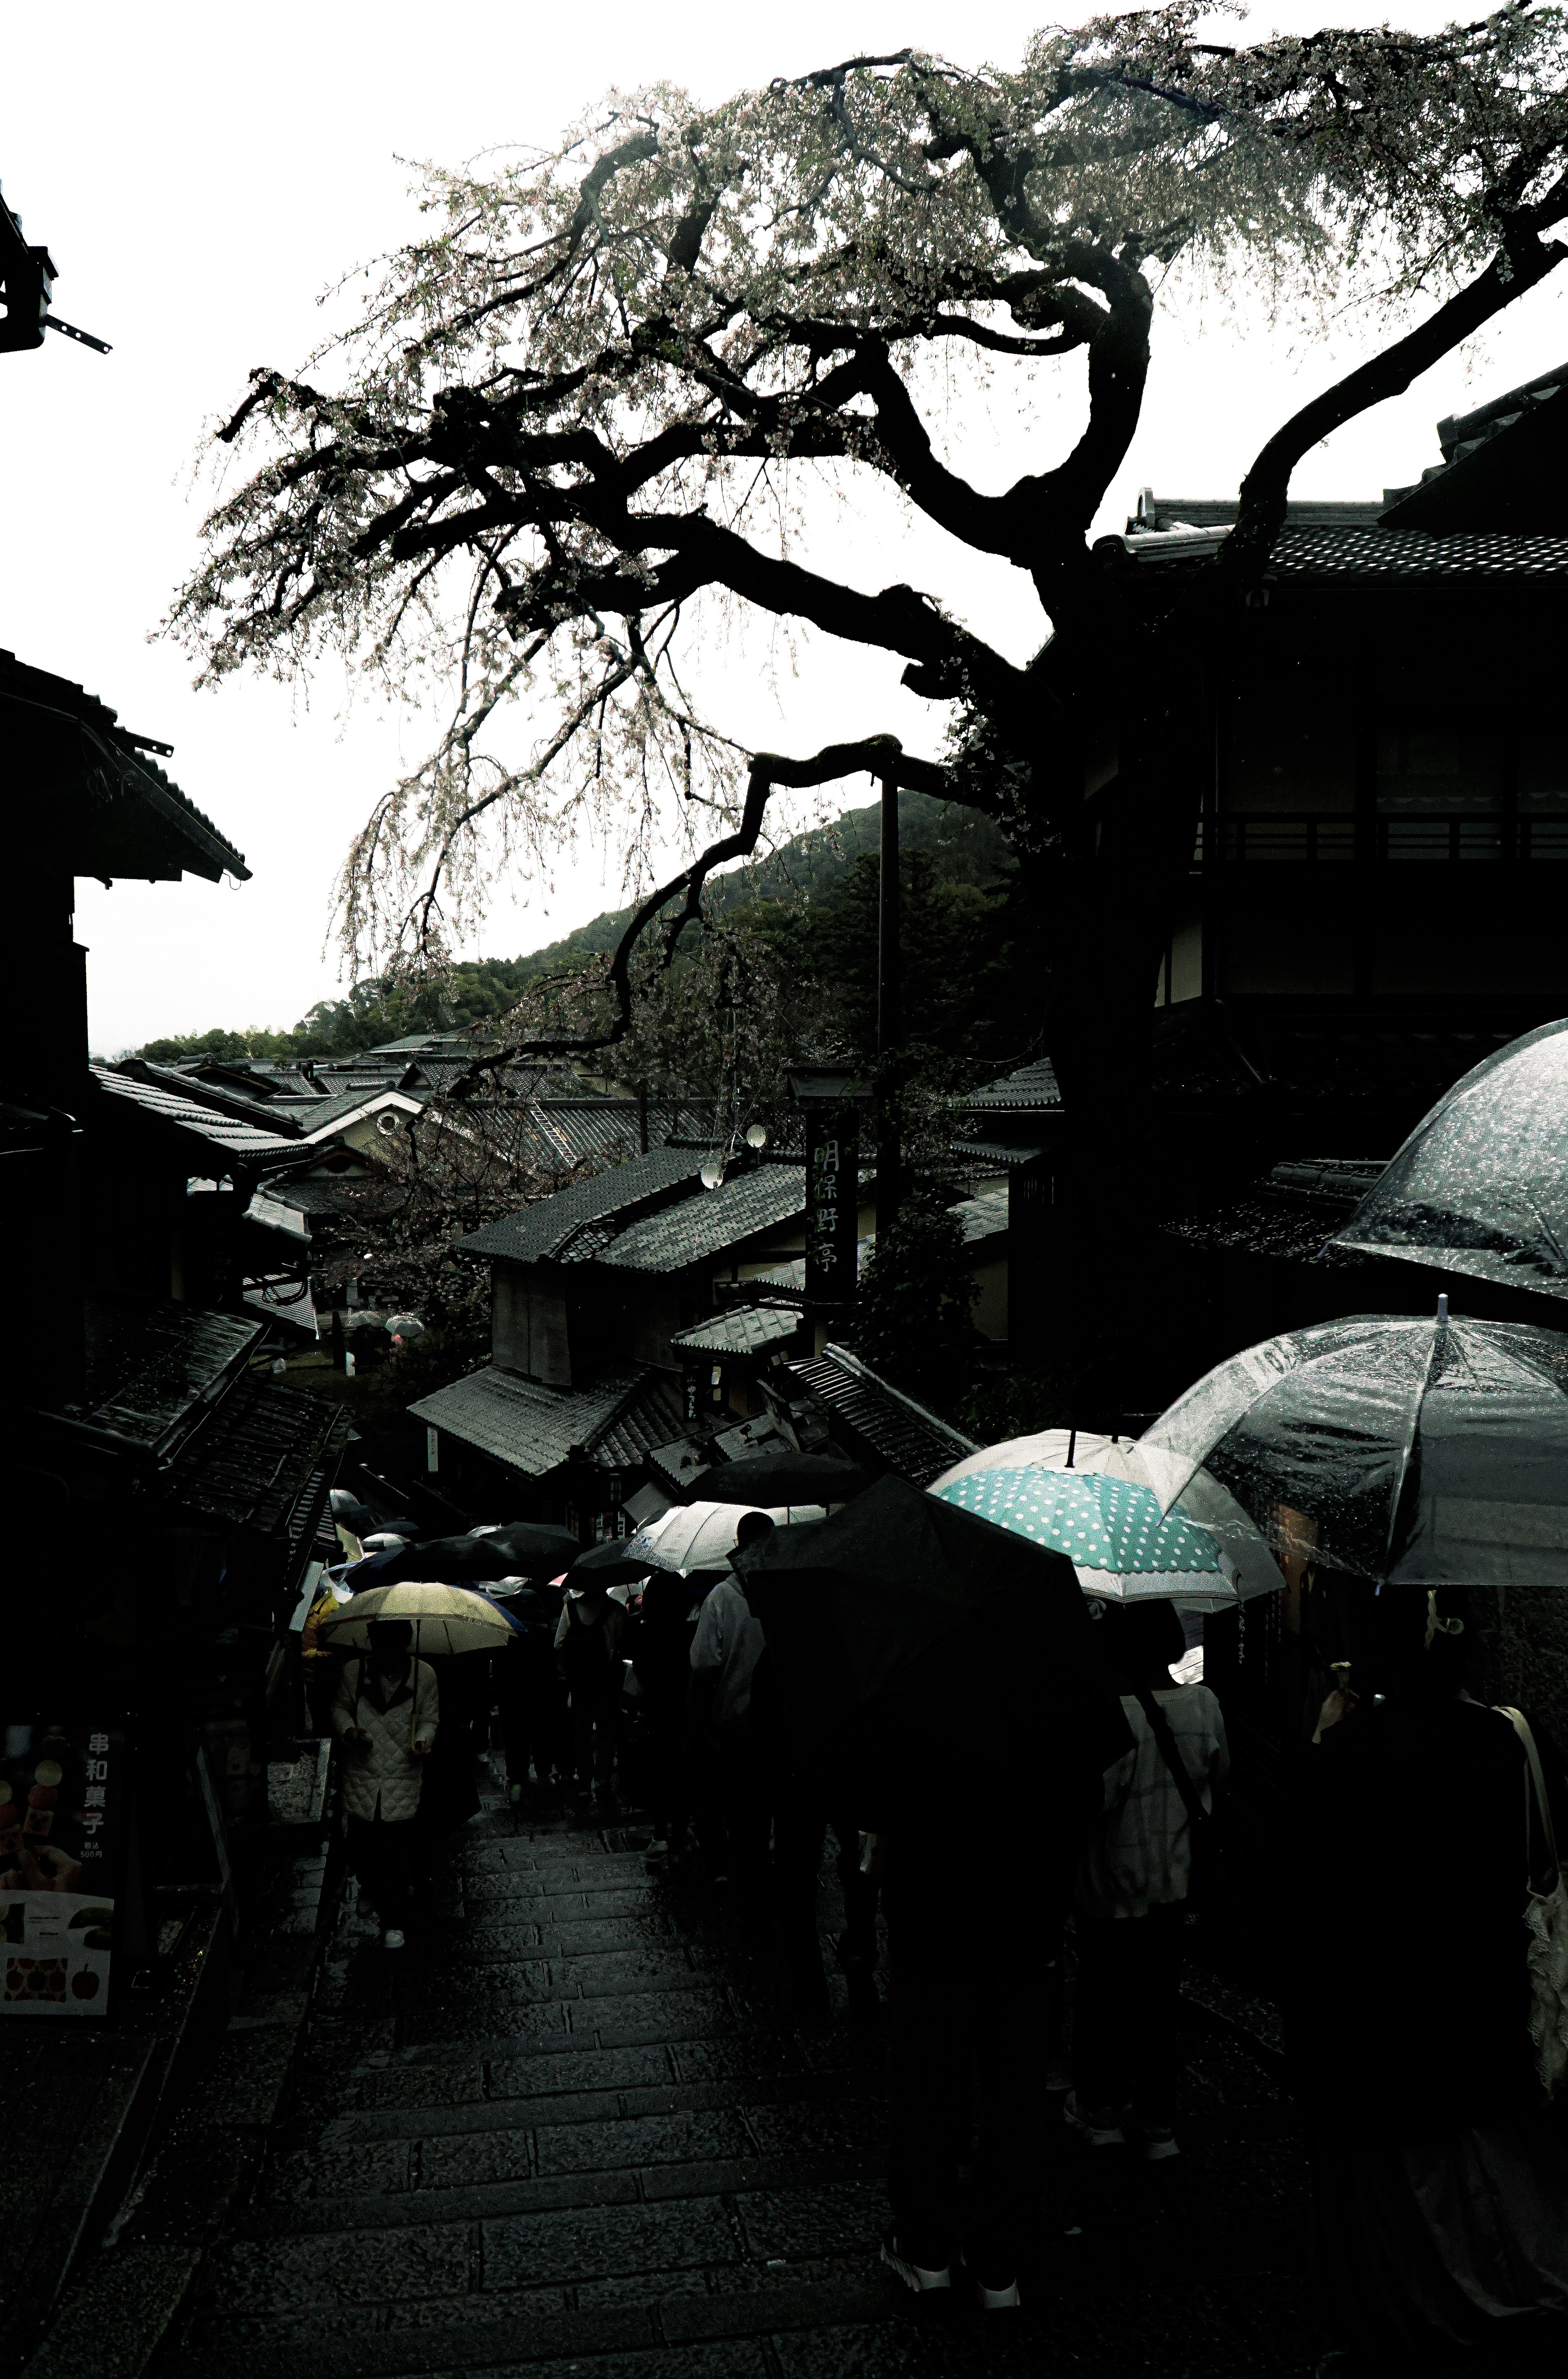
(449, 2198)
(531, 2107)
(568, 1907)
(640, 2140)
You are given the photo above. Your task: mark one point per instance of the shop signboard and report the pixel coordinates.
(63, 1823)
(832, 1205)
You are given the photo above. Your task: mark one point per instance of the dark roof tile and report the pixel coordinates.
(532, 1428)
(888, 1423)
(1033, 1086)
(714, 1219)
(543, 1229)
(183, 1111)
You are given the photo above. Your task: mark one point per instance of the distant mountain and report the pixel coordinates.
(962, 845)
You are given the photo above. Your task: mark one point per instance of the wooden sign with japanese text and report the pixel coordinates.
(832, 1204)
(62, 1860)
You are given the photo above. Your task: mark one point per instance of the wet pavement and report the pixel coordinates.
(571, 2129)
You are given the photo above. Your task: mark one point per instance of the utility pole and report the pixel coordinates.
(890, 1009)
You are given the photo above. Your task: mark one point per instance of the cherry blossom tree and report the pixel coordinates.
(594, 402)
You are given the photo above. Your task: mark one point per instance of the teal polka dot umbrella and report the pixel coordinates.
(1101, 1523)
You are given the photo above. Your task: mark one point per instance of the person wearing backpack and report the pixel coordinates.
(1135, 1872)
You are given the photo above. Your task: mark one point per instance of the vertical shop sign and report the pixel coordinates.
(832, 1205)
(63, 1840)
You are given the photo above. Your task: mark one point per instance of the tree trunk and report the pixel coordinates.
(1116, 894)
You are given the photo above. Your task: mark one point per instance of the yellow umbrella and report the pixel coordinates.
(445, 1619)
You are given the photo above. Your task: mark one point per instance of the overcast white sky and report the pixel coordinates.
(201, 175)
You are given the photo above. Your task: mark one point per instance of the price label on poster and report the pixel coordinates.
(62, 1860)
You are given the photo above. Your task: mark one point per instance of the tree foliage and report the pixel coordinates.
(591, 402)
(913, 1307)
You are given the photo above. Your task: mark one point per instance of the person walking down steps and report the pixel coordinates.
(1134, 1878)
(385, 1715)
(588, 1640)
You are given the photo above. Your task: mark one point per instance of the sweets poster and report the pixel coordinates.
(62, 1857)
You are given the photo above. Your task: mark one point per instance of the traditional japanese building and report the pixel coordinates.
(167, 1493)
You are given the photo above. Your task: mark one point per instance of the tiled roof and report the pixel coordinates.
(984, 1216)
(256, 1456)
(264, 1113)
(995, 1151)
(224, 1136)
(337, 1079)
(416, 1045)
(789, 1277)
(888, 1424)
(331, 1110)
(543, 1229)
(746, 1330)
(152, 1367)
(575, 1129)
(1366, 551)
(123, 768)
(1033, 1086)
(680, 1464)
(714, 1219)
(1266, 1221)
(348, 1193)
(641, 1424)
(532, 1428)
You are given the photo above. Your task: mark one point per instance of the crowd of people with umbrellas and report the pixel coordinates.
(970, 1687)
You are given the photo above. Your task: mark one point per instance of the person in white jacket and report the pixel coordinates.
(385, 1716)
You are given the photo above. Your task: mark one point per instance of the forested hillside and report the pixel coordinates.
(814, 896)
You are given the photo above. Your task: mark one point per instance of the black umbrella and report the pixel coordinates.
(772, 1481)
(349, 1512)
(1420, 1453)
(921, 1651)
(450, 1561)
(605, 1565)
(1481, 1185)
(534, 1548)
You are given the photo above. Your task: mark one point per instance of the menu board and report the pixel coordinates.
(62, 1860)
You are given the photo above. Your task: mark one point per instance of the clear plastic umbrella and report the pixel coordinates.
(1407, 1450)
(1481, 1185)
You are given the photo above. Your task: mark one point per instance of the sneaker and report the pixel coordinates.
(922, 2278)
(1157, 2141)
(1098, 2124)
(393, 1937)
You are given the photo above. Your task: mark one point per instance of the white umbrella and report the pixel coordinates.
(701, 1536)
(1249, 1566)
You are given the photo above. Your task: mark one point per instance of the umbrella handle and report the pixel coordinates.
(413, 1687)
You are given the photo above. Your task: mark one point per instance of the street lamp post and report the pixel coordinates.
(890, 1009)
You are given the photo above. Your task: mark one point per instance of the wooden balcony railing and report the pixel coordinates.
(1293, 837)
